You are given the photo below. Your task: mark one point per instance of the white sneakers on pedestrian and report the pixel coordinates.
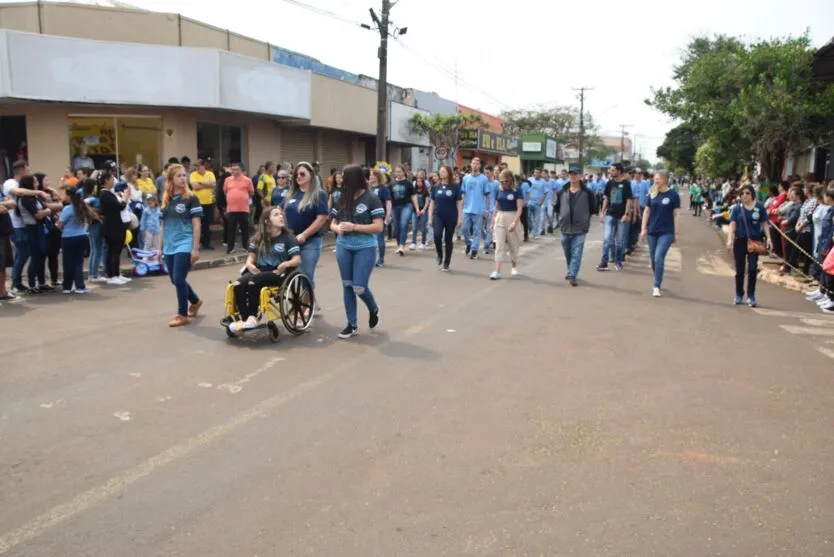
(412, 247)
(494, 275)
(656, 292)
(98, 280)
(514, 272)
(421, 247)
(116, 281)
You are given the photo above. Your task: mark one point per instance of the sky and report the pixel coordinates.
(494, 55)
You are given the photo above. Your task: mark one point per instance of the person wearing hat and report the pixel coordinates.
(574, 205)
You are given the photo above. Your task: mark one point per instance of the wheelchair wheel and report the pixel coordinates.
(274, 332)
(297, 302)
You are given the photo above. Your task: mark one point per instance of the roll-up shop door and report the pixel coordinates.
(297, 145)
(337, 151)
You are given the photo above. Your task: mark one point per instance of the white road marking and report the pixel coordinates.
(260, 370)
(205, 385)
(135, 374)
(124, 416)
(811, 331)
(797, 314)
(450, 331)
(234, 389)
(827, 351)
(710, 264)
(818, 322)
(47, 404)
(163, 398)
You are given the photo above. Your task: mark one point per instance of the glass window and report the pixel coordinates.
(130, 140)
(221, 143)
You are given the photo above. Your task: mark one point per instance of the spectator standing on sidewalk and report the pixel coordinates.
(574, 206)
(6, 231)
(239, 191)
(475, 189)
(660, 225)
(617, 209)
(203, 183)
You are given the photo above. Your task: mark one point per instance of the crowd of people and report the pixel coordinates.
(93, 214)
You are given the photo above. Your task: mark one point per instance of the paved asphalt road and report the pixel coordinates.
(510, 418)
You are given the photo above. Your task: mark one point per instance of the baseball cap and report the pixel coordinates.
(574, 168)
(109, 165)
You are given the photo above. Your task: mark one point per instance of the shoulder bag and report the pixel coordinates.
(753, 246)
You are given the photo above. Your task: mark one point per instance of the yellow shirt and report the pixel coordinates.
(205, 195)
(146, 185)
(265, 186)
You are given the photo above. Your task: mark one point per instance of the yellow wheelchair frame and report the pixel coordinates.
(293, 303)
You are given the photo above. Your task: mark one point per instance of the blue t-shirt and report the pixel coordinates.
(474, 189)
(754, 219)
(537, 191)
(445, 201)
(367, 208)
(178, 234)
(661, 215)
(493, 187)
(299, 221)
(640, 190)
(560, 185)
(72, 228)
(280, 249)
(525, 191)
(507, 200)
(384, 194)
(277, 198)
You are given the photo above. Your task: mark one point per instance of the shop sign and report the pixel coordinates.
(550, 149)
(531, 146)
(497, 143)
(96, 138)
(441, 153)
(468, 138)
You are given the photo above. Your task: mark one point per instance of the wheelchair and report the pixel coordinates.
(293, 303)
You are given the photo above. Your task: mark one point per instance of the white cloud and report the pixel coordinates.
(520, 53)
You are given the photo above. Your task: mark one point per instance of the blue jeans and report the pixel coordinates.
(402, 216)
(310, 253)
(473, 224)
(614, 239)
(658, 248)
(355, 267)
(178, 266)
(488, 230)
(380, 246)
(420, 224)
(573, 245)
(534, 218)
(96, 250)
(21, 256)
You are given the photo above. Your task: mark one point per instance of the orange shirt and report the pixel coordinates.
(238, 193)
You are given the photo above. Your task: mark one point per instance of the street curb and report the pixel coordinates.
(766, 275)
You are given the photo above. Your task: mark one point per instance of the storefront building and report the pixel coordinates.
(469, 139)
(539, 151)
(824, 71)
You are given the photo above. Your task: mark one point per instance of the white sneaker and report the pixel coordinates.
(412, 247)
(83, 291)
(656, 292)
(66, 292)
(816, 297)
(824, 301)
(812, 293)
(125, 279)
(98, 280)
(421, 247)
(494, 275)
(114, 282)
(514, 272)
(251, 323)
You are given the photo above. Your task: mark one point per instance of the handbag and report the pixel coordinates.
(753, 246)
(828, 264)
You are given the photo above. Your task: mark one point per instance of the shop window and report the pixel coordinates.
(130, 140)
(13, 146)
(221, 143)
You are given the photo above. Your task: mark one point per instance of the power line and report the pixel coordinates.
(322, 11)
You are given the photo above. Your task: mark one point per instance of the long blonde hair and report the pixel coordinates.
(314, 190)
(654, 189)
(507, 174)
(173, 170)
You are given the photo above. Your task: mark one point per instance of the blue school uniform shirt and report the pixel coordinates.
(537, 193)
(298, 221)
(367, 208)
(279, 250)
(494, 187)
(560, 185)
(150, 220)
(661, 213)
(384, 194)
(72, 228)
(277, 198)
(754, 218)
(549, 186)
(446, 201)
(525, 191)
(178, 236)
(640, 190)
(474, 191)
(507, 200)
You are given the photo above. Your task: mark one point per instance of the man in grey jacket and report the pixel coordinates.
(575, 204)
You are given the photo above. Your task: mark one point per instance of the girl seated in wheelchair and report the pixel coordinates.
(273, 252)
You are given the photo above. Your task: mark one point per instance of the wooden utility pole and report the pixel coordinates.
(582, 125)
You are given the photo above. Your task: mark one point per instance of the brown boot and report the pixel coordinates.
(179, 321)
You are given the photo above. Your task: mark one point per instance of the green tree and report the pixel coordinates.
(758, 99)
(712, 160)
(444, 129)
(679, 147)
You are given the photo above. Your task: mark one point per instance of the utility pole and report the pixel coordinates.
(622, 140)
(382, 25)
(582, 124)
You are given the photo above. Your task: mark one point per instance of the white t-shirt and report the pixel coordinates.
(8, 186)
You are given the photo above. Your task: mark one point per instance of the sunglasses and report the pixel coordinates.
(301, 175)
(505, 182)
(282, 177)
